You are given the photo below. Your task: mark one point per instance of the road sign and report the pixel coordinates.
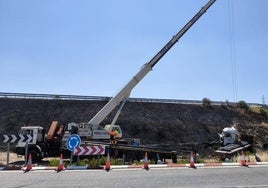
(16, 137)
(73, 141)
(90, 150)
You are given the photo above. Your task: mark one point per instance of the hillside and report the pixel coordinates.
(177, 125)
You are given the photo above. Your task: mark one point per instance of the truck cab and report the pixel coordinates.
(34, 146)
(229, 135)
(42, 143)
(37, 133)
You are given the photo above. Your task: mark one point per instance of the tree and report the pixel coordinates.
(227, 103)
(206, 102)
(263, 112)
(243, 105)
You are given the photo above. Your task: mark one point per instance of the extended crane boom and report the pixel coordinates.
(147, 67)
(52, 143)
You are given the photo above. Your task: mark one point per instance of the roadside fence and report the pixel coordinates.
(105, 98)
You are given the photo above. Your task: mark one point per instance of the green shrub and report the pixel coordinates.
(152, 161)
(183, 161)
(243, 105)
(206, 102)
(227, 103)
(137, 162)
(54, 162)
(102, 160)
(57, 97)
(200, 160)
(248, 153)
(93, 162)
(82, 162)
(263, 112)
(115, 162)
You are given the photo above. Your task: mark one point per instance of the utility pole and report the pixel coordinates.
(263, 101)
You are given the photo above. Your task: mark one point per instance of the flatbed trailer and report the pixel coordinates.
(231, 149)
(131, 152)
(137, 153)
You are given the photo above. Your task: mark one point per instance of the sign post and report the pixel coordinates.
(11, 138)
(71, 158)
(72, 142)
(26, 154)
(8, 150)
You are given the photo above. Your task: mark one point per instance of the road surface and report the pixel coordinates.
(202, 177)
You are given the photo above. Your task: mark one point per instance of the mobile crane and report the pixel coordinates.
(92, 130)
(97, 132)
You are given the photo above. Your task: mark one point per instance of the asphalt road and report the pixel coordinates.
(171, 177)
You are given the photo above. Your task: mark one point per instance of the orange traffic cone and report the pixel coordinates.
(146, 165)
(243, 159)
(29, 164)
(60, 165)
(108, 163)
(192, 165)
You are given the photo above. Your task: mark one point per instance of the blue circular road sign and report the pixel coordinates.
(73, 141)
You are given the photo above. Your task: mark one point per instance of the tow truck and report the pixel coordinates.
(52, 143)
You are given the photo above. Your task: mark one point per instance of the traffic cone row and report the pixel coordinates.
(107, 167)
(108, 163)
(60, 165)
(192, 164)
(29, 165)
(145, 161)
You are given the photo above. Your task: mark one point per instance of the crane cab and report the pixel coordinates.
(115, 128)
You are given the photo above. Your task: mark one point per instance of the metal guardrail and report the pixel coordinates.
(51, 96)
(103, 98)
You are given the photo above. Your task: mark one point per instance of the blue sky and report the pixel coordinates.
(95, 47)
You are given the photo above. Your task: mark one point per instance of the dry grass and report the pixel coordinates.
(211, 160)
(264, 156)
(13, 157)
(251, 158)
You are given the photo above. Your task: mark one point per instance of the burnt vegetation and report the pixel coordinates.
(174, 125)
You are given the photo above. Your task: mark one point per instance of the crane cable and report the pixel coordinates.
(232, 48)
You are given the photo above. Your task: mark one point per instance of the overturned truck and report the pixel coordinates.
(232, 142)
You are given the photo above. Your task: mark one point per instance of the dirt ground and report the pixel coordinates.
(18, 160)
(13, 158)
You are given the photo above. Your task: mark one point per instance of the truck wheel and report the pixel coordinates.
(174, 160)
(35, 156)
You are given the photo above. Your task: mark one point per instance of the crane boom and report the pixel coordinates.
(147, 67)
